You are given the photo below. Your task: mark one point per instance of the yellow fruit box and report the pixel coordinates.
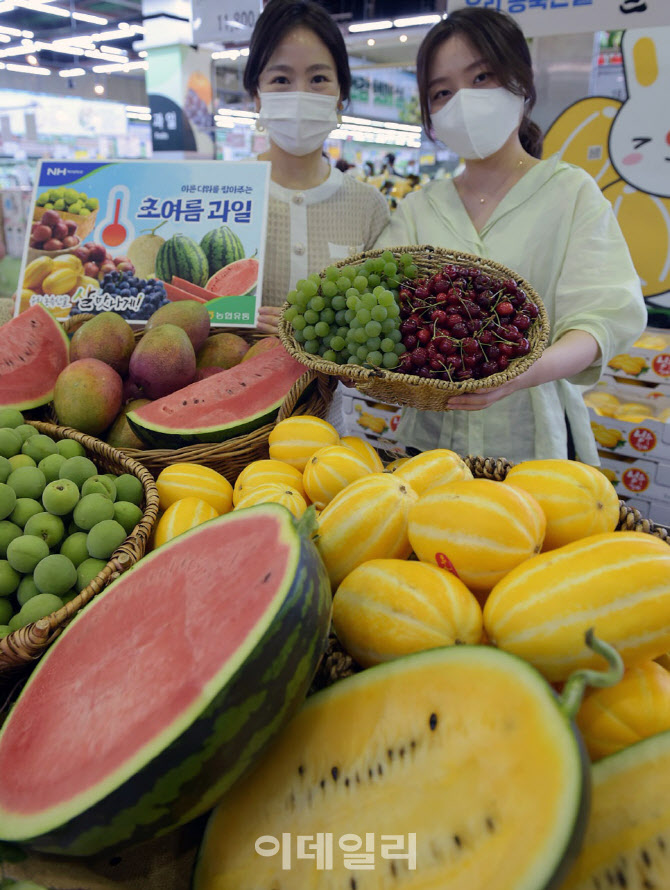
(648, 359)
(630, 420)
(85, 224)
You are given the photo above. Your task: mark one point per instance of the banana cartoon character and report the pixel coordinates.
(626, 148)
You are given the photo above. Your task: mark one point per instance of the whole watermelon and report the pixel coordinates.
(221, 246)
(182, 256)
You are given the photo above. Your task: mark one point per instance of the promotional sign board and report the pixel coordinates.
(540, 18)
(129, 236)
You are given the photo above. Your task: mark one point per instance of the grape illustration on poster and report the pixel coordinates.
(625, 146)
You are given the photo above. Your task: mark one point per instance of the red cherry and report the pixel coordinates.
(408, 326)
(422, 292)
(506, 350)
(488, 368)
(511, 332)
(424, 336)
(521, 321)
(460, 330)
(410, 342)
(453, 320)
(522, 347)
(419, 357)
(505, 308)
(503, 362)
(486, 336)
(445, 345)
(470, 346)
(435, 364)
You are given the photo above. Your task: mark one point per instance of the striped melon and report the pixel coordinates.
(329, 470)
(258, 472)
(367, 520)
(182, 480)
(295, 439)
(431, 468)
(386, 608)
(274, 493)
(617, 582)
(367, 451)
(394, 464)
(180, 516)
(577, 499)
(478, 528)
(637, 707)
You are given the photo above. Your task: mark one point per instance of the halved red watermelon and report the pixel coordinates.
(228, 404)
(235, 279)
(34, 349)
(167, 687)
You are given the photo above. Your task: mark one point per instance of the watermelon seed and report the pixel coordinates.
(242, 383)
(267, 577)
(335, 773)
(433, 721)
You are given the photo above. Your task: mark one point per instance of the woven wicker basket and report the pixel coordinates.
(312, 394)
(337, 663)
(407, 389)
(20, 649)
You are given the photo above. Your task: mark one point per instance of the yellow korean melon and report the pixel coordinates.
(274, 493)
(329, 470)
(367, 451)
(431, 468)
(182, 480)
(295, 439)
(616, 582)
(394, 464)
(180, 516)
(578, 500)
(387, 608)
(367, 520)
(637, 707)
(259, 472)
(479, 528)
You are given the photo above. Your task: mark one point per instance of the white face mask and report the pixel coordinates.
(477, 123)
(298, 122)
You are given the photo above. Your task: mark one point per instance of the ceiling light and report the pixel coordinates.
(370, 26)
(14, 32)
(4, 38)
(26, 69)
(87, 17)
(417, 20)
(43, 7)
(98, 89)
(31, 60)
(403, 38)
(371, 41)
(7, 7)
(114, 50)
(120, 66)
(138, 109)
(143, 54)
(72, 72)
(123, 25)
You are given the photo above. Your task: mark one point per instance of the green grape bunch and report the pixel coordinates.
(351, 314)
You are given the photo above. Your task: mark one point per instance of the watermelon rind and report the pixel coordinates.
(32, 364)
(185, 768)
(171, 432)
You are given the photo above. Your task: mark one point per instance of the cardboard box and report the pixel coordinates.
(657, 511)
(373, 421)
(648, 359)
(630, 420)
(637, 477)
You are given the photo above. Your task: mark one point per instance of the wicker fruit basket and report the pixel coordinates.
(20, 649)
(312, 394)
(407, 389)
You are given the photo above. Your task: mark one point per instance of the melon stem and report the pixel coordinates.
(573, 691)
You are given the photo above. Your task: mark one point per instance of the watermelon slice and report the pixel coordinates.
(228, 404)
(236, 279)
(34, 349)
(166, 687)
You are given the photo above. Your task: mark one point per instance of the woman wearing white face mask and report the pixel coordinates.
(298, 73)
(547, 220)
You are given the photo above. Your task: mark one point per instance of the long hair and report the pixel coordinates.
(499, 40)
(277, 19)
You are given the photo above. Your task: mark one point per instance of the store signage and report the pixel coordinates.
(226, 21)
(539, 18)
(120, 217)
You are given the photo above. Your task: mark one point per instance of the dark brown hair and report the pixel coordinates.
(500, 41)
(277, 19)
